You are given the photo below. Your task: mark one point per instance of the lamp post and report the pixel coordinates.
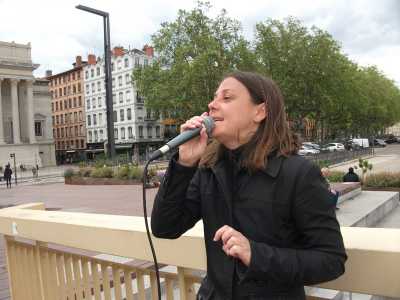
(12, 155)
(107, 69)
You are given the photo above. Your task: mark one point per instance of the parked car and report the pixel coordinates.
(307, 150)
(351, 145)
(332, 147)
(392, 139)
(312, 145)
(379, 143)
(362, 142)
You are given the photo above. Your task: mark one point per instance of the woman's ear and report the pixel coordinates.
(261, 113)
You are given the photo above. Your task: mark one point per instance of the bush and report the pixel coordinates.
(384, 179)
(68, 173)
(85, 172)
(105, 172)
(136, 173)
(123, 172)
(336, 176)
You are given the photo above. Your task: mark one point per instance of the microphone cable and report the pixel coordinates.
(144, 179)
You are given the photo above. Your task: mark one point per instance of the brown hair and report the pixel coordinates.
(273, 133)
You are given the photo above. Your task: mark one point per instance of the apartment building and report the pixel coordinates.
(68, 112)
(137, 130)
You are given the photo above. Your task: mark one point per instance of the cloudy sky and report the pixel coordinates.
(368, 30)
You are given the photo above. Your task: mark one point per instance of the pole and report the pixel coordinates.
(15, 168)
(108, 81)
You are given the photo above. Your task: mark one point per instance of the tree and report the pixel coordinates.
(193, 54)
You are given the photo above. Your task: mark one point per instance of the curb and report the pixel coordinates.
(350, 161)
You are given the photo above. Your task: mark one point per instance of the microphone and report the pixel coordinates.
(183, 138)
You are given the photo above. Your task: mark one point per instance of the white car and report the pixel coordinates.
(331, 147)
(304, 150)
(311, 145)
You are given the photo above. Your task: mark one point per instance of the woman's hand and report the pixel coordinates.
(191, 151)
(234, 243)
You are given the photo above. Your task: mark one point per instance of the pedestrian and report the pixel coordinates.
(351, 176)
(7, 175)
(334, 193)
(269, 226)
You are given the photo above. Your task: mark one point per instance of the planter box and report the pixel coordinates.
(75, 180)
(386, 189)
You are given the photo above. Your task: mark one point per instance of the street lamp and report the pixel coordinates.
(12, 155)
(107, 64)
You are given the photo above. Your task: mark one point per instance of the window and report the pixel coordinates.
(98, 71)
(100, 118)
(94, 102)
(121, 115)
(82, 142)
(74, 89)
(74, 102)
(87, 89)
(80, 101)
(70, 103)
(130, 133)
(148, 113)
(89, 120)
(98, 86)
(150, 131)
(86, 74)
(140, 131)
(158, 131)
(113, 82)
(88, 104)
(81, 130)
(92, 73)
(121, 97)
(55, 94)
(126, 62)
(66, 118)
(57, 120)
(65, 104)
(66, 131)
(115, 116)
(58, 132)
(129, 114)
(93, 88)
(61, 105)
(62, 132)
(120, 80)
(65, 91)
(75, 117)
(127, 79)
(112, 67)
(94, 119)
(114, 100)
(96, 137)
(60, 91)
(79, 87)
(73, 76)
(80, 116)
(101, 135)
(38, 128)
(76, 132)
(57, 105)
(137, 64)
(116, 133)
(52, 107)
(53, 120)
(119, 65)
(90, 136)
(79, 75)
(122, 133)
(62, 119)
(99, 104)
(128, 96)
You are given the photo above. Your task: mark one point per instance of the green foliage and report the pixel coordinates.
(123, 172)
(336, 176)
(104, 172)
(323, 163)
(136, 173)
(68, 173)
(384, 179)
(85, 171)
(318, 80)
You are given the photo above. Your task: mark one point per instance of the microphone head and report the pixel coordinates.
(209, 125)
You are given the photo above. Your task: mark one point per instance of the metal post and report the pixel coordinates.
(12, 155)
(107, 77)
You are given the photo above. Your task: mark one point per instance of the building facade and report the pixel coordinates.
(137, 130)
(394, 130)
(68, 113)
(25, 117)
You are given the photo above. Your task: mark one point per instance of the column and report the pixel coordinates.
(15, 111)
(1, 117)
(31, 113)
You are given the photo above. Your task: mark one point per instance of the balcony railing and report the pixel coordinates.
(41, 267)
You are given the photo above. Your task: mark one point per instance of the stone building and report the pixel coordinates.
(25, 116)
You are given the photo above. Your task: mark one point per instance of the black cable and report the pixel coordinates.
(147, 227)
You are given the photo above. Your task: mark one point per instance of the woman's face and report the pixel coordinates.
(236, 116)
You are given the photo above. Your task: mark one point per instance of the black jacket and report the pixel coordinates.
(7, 173)
(351, 177)
(284, 211)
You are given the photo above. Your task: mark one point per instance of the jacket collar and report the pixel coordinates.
(273, 166)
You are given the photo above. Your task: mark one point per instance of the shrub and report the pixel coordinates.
(336, 176)
(384, 179)
(136, 173)
(68, 173)
(105, 172)
(85, 172)
(123, 172)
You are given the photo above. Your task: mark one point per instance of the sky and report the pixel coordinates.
(368, 30)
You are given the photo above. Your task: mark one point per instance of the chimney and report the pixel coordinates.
(78, 61)
(91, 59)
(149, 50)
(118, 51)
(49, 73)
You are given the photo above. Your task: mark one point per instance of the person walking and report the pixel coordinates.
(7, 175)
